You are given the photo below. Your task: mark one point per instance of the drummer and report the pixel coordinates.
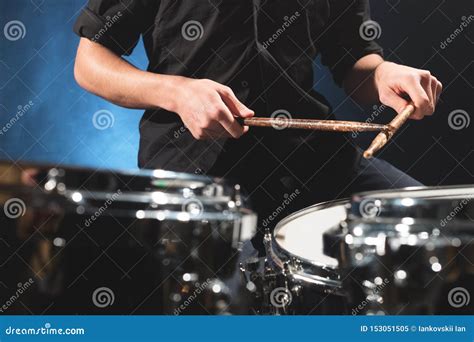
(212, 61)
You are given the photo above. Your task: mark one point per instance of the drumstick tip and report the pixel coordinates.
(368, 155)
(380, 140)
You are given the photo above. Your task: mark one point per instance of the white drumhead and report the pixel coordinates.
(302, 234)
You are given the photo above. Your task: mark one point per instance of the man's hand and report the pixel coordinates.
(209, 109)
(395, 82)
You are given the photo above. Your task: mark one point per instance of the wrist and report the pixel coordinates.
(379, 70)
(166, 92)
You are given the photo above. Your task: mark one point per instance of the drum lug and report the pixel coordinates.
(267, 238)
(297, 289)
(237, 196)
(293, 265)
(255, 274)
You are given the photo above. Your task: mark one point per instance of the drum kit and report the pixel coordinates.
(88, 242)
(408, 251)
(81, 241)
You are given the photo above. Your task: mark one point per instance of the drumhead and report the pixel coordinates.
(300, 235)
(155, 194)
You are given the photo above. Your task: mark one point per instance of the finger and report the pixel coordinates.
(229, 123)
(419, 97)
(439, 90)
(394, 101)
(427, 84)
(212, 130)
(217, 132)
(221, 132)
(232, 102)
(434, 87)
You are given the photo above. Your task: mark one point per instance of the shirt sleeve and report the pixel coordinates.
(348, 36)
(115, 24)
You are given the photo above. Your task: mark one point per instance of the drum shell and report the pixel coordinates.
(386, 273)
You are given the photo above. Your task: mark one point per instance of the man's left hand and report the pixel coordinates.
(395, 83)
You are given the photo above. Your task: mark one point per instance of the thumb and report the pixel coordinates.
(394, 101)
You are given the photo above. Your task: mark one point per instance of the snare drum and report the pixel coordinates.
(299, 277)
(408, 251)
(88, 242)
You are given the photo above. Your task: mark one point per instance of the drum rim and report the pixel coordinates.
(416, 227)
(370, 194)
(278, 250)
(38, 199)
(391, 203)
(91, 197)
(125, 172)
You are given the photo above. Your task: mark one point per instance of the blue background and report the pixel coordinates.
(39, 68)
(59, 127)
(242, 328)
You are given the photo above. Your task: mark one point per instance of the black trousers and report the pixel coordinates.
(276, 185)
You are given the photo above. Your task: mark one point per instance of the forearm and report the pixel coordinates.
(100, 71)
(360, 83)
(208, 109)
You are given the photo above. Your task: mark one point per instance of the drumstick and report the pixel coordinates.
(315, 125)
(383, 137)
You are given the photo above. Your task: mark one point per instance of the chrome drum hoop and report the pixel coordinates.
(157, 194)
(298, 268)
(417, 203)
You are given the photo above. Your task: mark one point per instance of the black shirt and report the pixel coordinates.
(263, 49)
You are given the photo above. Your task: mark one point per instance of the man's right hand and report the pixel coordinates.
(209, 109)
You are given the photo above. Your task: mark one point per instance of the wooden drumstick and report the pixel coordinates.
(383, 137)
(315, 125)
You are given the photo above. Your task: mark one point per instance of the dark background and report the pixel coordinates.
(59, 126)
